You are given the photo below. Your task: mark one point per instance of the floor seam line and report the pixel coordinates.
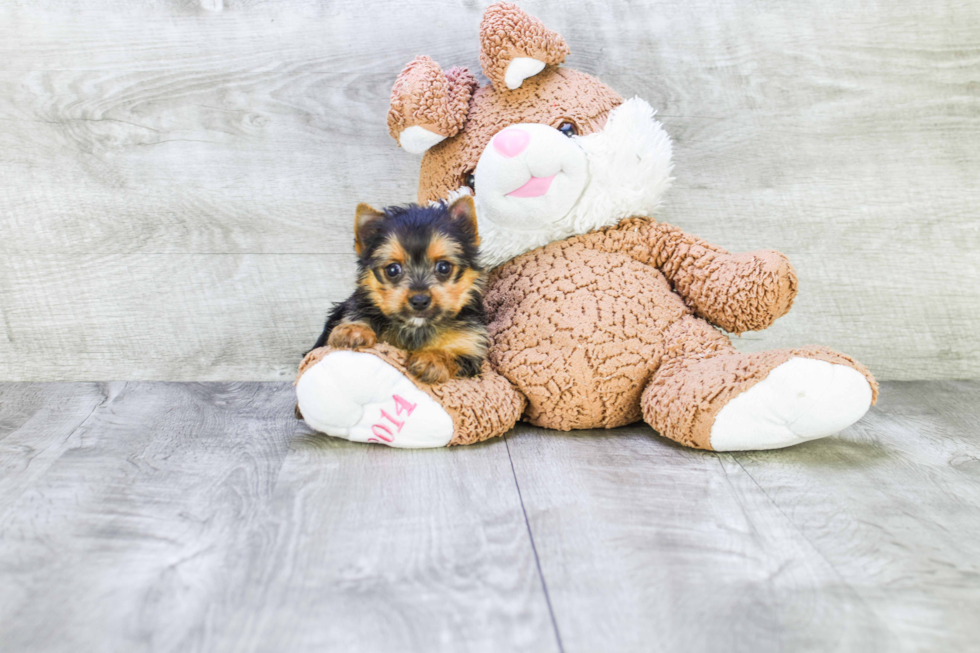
(106, 399)
(534, 549)
(779, 509)
(812, 546)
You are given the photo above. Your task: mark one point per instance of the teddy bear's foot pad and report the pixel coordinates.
(802, 399)
(361, 398)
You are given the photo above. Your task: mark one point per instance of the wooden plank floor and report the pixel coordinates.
(203, 517)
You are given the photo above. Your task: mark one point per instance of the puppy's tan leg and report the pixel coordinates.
(352, 335)
(432, 365)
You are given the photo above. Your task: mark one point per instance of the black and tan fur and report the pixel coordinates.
(419, 288)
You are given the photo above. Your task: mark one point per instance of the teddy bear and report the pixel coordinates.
(599, 316)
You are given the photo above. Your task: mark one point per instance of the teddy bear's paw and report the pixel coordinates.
(800, 400)
(361, 398)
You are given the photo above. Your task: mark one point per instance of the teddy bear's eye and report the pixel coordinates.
(568, 129)
(470, 180)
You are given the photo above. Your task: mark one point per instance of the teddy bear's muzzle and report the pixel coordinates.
(529, 176)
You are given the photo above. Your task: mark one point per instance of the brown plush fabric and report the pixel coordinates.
(424, 96)
(482, 407)
(702, 372)
(551, 97)
(506, 33)
(578, 331)
(740, 292)
(582, 326)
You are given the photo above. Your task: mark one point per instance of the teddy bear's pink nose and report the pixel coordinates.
(511, 142)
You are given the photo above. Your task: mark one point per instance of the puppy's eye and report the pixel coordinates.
(470, 180)
(393, 270)
(568, 129)
(443, 268)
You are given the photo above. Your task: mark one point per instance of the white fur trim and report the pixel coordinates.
(802, 399)
(344, 394)
(519, 69)
(417, 139)
(629, 166)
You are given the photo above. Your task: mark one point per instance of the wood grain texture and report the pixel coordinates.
(894, 507)
(38, 423)
(372, 549)
(863, 542)
(177, 177)
(122, 543)
(185, 517)
(203, 517)
(645, 545)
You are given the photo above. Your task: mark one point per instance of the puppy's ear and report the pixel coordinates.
(464, 210)
(366, 220)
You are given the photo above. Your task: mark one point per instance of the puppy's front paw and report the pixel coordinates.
(432, 366)
(352, 335)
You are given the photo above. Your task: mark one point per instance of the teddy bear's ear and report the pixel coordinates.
(427, 105)
(515, 45)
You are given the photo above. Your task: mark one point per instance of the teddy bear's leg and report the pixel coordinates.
(707, 395)
(367, 396)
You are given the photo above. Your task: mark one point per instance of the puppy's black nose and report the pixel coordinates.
(420, 302)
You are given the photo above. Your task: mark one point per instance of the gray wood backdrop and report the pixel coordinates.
(177, 178)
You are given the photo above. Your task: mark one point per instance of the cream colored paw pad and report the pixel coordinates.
(800, 400)
(361, 398)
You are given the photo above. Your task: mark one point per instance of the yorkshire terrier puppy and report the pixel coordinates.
(419, 288)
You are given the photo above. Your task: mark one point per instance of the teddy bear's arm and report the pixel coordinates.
(738, 292)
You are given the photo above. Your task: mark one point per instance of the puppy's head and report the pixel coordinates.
(419, 265)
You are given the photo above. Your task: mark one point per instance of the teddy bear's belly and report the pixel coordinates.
(580, 332)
